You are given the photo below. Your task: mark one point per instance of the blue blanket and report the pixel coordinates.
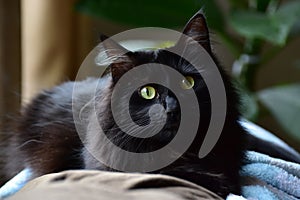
(268, 178)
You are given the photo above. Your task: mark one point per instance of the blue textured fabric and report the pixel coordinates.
(258, 192)
(267, 178)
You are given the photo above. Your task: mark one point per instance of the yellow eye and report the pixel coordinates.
(148, 92)
(187, 83)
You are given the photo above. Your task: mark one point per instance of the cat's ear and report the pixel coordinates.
(120, 58)
(197, 29)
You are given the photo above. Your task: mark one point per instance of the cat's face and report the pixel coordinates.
(145, 97)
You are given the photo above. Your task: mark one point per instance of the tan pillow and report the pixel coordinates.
(92, 185)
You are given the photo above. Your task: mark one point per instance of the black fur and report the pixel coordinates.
(47, 141)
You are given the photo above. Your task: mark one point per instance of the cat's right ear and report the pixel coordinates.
(197, 29)
(120, 58)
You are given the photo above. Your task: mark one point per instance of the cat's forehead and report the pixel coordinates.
(165, 57)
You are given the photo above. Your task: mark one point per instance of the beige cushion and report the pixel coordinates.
(92, 185)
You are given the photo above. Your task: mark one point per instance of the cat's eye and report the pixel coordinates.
(148, 92)
(187, 83)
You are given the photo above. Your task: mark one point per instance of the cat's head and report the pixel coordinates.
(149, 94)
(136, 110)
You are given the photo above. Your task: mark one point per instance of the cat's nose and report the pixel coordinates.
(171, 104)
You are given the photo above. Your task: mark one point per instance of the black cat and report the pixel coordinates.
(46, 138)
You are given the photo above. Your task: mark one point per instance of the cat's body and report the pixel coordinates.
(46, 138)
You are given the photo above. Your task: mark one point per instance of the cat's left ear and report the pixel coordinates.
(197, 29)
(120, 58)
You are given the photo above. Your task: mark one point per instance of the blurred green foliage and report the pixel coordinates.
(245, 28)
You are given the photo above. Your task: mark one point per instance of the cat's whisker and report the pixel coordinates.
(28, 142)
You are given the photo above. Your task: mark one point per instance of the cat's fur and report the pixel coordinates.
(46, 139)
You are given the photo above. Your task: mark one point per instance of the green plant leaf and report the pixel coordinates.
(252, 25)
(141, 13)
(238, 3)
(167, 13)
(262, 5)
(289, 15)
(284, 104)
(215, 17)
(274, 27)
